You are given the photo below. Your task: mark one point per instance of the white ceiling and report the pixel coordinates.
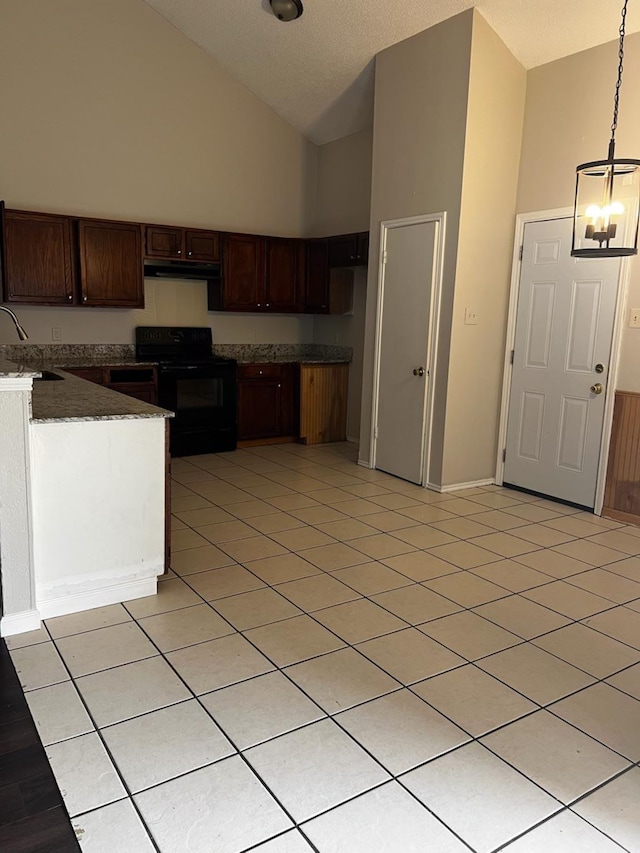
(317, 72)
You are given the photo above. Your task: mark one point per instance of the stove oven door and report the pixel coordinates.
(203, 398)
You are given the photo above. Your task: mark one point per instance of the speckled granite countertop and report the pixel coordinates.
(11, 370)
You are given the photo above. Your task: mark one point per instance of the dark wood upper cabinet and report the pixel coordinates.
(243, 272)
(38, 258)
(202, 245)
(349, 250)
(362, 249)
(283, 263)
(110, 264)
(163, 242)
(316, 299)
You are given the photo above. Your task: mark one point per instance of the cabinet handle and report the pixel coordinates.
(258, 305)
(190, 253)
(352, 258)
(324, 306)
(84, 298)
(279, 385)
(260, 372)
(70, 297)
(179, 251)
(267, 304)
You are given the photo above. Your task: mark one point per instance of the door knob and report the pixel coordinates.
(418, 371)
(597, 388)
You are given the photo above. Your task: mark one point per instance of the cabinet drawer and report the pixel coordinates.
(259, 371)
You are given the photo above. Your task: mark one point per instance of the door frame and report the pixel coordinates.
(616, 343)
(440, 220)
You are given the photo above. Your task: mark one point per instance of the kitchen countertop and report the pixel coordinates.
(11, 370)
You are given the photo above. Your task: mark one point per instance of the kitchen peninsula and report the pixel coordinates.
(82, 485)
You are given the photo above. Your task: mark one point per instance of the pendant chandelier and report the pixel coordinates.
(605, 220)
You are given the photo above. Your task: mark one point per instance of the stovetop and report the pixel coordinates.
(177, 345)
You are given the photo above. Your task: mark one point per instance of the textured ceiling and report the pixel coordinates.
(317, 72)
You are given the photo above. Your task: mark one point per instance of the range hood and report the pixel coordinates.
(182, 269)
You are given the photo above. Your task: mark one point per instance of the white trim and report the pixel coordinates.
(16, 383)
(614, 360)
(440, 220)
(457, 487)
(365, 463)
(20, 623)
(109, 594)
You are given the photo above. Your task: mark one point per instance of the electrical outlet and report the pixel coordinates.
(634, 319)
(55, 333)
(470, 317)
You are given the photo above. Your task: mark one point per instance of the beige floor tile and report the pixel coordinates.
(621, 623)
(524, 618)
(355, 827)
(188, 502)
(176, 524)
(614, 809)
(562, 830)
(179, 491)
(261, 708)
(420, 566)
(251, 609)
(499, 520)
(350, 528)
(282, 568)
(335, 556)
(562, 760)
(200, 517)
(461, 506)
(199, 560)
(470, 635)
(467, 589)
(415, 604)
(318, 514)
(87, 620)
(423, 536)
(294, 640)
(218, 663)
(357, 621)
(382, 545)
(185, 627)
(315, 768)
(357, 507)
(269, 490)
(629, 568)
(302, 539)
(250, 509)
(58, 712)
(588, 552)
(371, 578)
(533, 513)
(224, 805)
(275, 522)
(473, 699)
(427, 513)
(606, 714)
(552, 563)
(253, 548)
(410, 655)
(223, 497)
(104, 648)
(28, 638)
(575, 526)
(172, 595)
(128, 691)
(389, 521)
(147, 751)
(314, 593)
(540, 534)
(464, 555)
(472, 774)
(287, 502)
(401, 730)
(608, 585)
(536, 674)
(504, 544)
(366, 490)
(511, 575)
(589, 650)
(332, 496)
(341, 680)
(393, 501)
(567, 599)
(181, 540)
(226, 531)
(628, 681)
(219, 583)
(496, 500)
(113, 827)
(463, 527)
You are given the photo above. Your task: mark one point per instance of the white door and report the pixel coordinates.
(409, 254)
(564, 327)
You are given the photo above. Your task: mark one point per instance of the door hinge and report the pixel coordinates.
(375, 432)
(513, 352)
(520, 253)
(384, 257)
(504, 455)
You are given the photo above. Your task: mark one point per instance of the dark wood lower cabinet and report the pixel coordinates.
(266, 401)
(133, 380)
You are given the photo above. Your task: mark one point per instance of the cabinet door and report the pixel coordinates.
(202, 245)
(162, 242)
(316, 277)
(362, 249)
(110, 264)
(38, 265)
(91, 374)
(343, 250)
(259, 407)
(282, 274)
(243, 272)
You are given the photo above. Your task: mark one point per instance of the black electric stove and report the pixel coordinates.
(197, 385)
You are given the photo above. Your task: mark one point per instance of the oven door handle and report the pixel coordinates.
(179, 369)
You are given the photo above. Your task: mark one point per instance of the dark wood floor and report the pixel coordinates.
(33, 818)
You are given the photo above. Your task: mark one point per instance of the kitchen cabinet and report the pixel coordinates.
(111, 271)
(283, 268)
(266, 401)
(243, 272)
(139, 381)
(349, 250)
(187, 244)
(37, 258)
(323, 402)
(316, 298)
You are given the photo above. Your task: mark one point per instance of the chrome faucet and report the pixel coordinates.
(21, 332)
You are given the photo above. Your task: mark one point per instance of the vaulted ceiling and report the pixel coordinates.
(317, 72)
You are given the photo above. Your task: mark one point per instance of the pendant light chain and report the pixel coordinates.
(616, 98)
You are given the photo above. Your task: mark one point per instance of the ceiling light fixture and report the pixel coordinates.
(608, 194)
(286, 10)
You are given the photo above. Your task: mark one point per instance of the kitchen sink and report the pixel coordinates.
(48, 376)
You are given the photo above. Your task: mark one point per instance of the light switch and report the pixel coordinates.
(470, 317)
(634, 319)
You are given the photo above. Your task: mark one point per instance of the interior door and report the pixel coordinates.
(564, 327)
(408, 274)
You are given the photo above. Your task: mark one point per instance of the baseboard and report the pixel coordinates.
(20, 623)
(352, 440)
(457, 487)
(115, 593)
(365, 463)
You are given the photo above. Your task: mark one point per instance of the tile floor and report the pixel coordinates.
(341, 661)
